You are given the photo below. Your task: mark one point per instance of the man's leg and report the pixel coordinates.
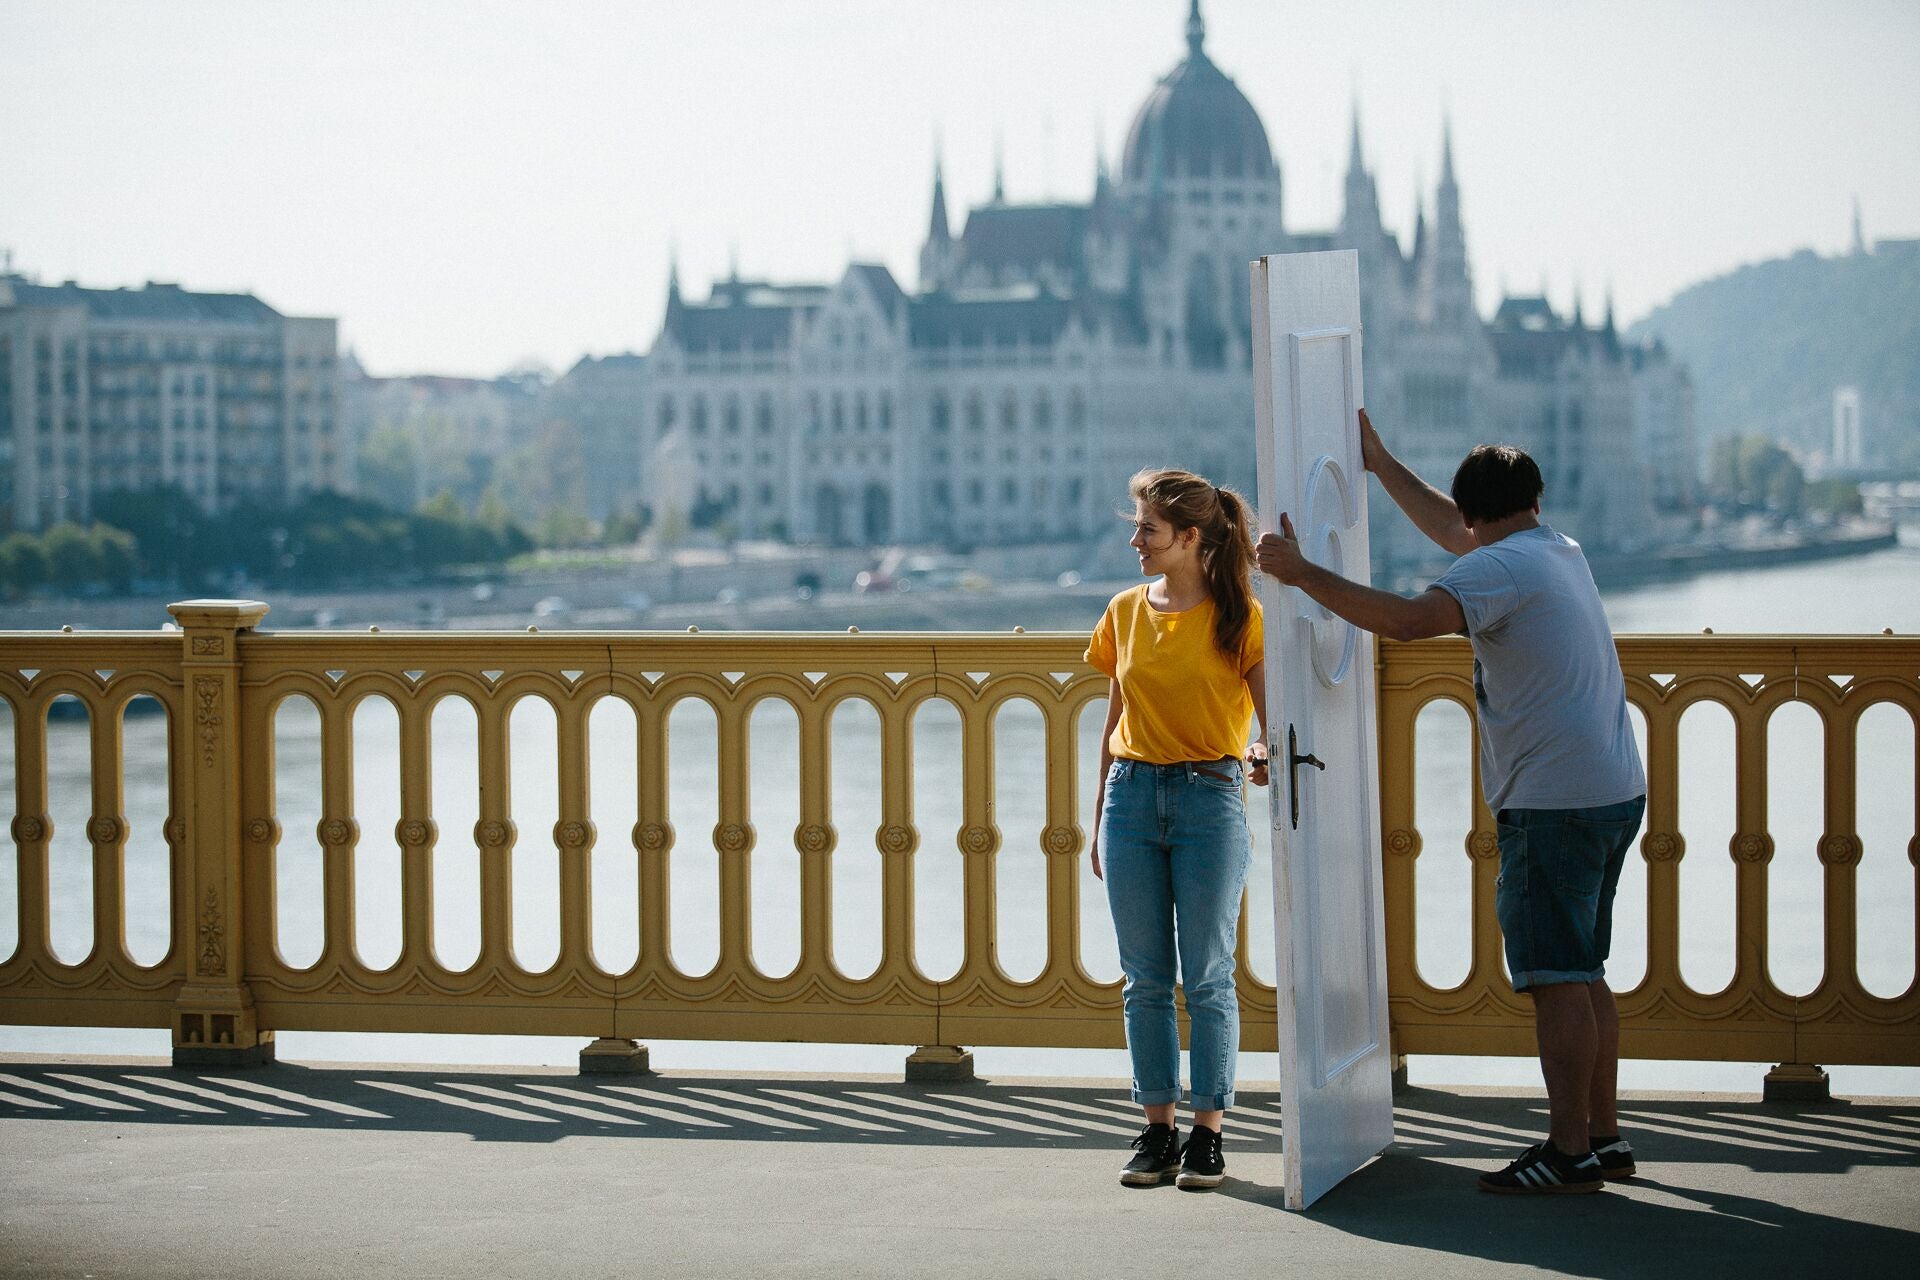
(1602, 1116)
(1569, 1042)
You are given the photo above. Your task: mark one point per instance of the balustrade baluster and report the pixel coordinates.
(1752, 850)
(816, 858)
(107, 830)
(896, 863)
(979, 841)
(494, 837)
(733, 839)
(1840, 852)
(1661, 845)
(1062, 841)
(574, 835)
(32, 831)
(338, 833)
(653, 839)
(417, 836)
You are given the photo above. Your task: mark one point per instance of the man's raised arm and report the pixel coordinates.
(1430, 509)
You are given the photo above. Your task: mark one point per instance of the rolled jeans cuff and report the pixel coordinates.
(1156, 1097)
(1213, 1101)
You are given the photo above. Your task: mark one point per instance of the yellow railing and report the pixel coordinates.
(224, 985)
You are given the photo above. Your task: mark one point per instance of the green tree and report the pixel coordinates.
(387, 466)
(23, 563)
(117, 553)
(72, 560)
(1753, 473)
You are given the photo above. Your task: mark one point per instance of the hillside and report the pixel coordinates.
(1769, 342)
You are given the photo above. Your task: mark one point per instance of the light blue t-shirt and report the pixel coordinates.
(1554, 732)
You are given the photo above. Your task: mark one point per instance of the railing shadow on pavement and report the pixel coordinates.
(1689, 1215)
(516, 1106)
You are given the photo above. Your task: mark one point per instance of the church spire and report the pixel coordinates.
(1196, 31)
(1356, 160)
(999, 169)
(1859, 235)
(937, 232)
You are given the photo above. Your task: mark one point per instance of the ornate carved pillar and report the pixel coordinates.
(213, 1018)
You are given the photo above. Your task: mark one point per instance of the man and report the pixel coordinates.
(1557, 759)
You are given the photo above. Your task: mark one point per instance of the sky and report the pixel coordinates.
(472, 185)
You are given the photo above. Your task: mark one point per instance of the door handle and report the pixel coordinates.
(1294, 761)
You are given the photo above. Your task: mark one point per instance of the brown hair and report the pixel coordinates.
(1187, 501)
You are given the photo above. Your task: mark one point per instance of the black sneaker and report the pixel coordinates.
(1159, 1158)
(1543, 1169)
(1202, 1167)
(1615, 1155)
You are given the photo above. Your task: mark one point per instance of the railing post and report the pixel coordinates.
(939, 1064)
(213, 1017)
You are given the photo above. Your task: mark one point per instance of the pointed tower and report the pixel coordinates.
(1859, 234)
(1360, 218)
(936, 254)
(1446, 284)
(999, 170)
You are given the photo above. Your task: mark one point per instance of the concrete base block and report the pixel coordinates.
(201, 1057)
(613, 1057)
(1797, 1082)
(939, 1064)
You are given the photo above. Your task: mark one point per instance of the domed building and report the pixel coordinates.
(1050, 350)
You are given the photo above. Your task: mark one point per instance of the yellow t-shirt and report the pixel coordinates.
(1182, 698)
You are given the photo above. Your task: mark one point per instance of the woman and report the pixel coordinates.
(1183, 654)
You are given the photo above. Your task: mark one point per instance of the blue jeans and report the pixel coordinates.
(1175, 845)
(1559, 869)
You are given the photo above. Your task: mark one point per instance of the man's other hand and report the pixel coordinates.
(1279, 553)
(1372, 452)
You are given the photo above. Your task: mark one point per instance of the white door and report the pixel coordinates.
(1330, 971)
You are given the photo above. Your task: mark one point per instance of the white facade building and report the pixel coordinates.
(105, 389)
(1053, 349)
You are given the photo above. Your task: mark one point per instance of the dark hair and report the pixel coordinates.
(1496, 481)
(1187, 501)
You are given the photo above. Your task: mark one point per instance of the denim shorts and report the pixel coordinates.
(1558, 872)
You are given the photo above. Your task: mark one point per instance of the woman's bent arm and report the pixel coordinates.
(1106, 763)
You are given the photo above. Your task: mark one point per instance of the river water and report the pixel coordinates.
(1864, 594)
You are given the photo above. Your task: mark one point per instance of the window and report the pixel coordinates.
(763, 415)
(730, 416)
(666, 413)
(1076, 409)
(976, 412)
(940, 415)
(1009, 492)
(699, 415)
(1042, 411)
(1009, 412)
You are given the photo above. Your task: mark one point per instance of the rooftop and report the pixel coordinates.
(132, 1168)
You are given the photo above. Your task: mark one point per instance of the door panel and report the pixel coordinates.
(1330, 966)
